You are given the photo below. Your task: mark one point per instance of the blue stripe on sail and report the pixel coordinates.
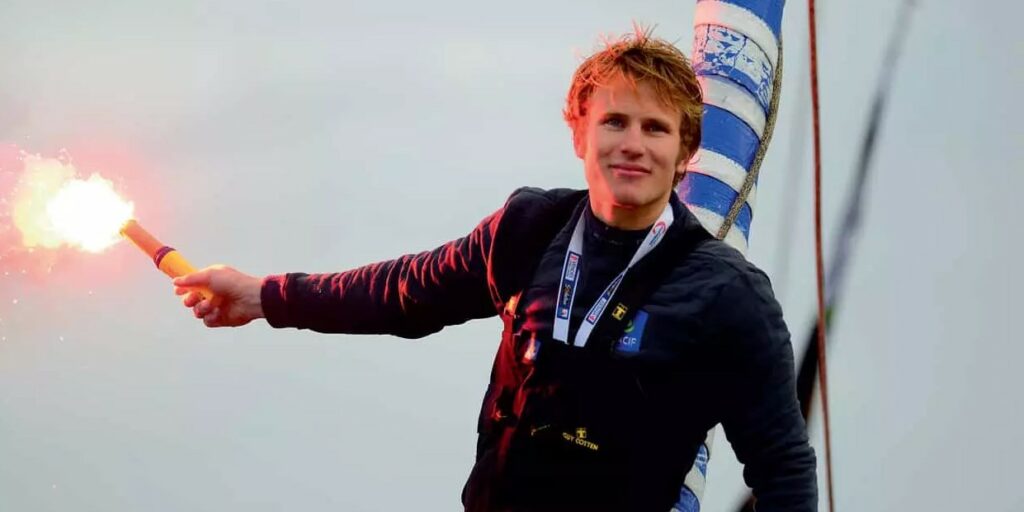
(770, 11)
(708, 193)
(723, 93)
(702, 460)
(687, 502)
(723, 52)
(727, 135)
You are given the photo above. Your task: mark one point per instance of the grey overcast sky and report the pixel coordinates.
(317, 136)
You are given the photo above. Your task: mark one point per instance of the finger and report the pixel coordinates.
(192, 299)
(200, 278)
(212, 319)
(203, 308)
(181, 290)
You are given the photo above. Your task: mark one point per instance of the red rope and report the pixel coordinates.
(822, 373)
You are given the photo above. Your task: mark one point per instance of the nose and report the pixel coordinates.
(632, 143)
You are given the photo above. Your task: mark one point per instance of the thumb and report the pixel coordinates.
(199, 278)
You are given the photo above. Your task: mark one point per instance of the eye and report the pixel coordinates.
(656, 127)
(614, 122)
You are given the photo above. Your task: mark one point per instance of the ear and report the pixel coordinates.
(681, 166)
(681, 170)
(579, 140)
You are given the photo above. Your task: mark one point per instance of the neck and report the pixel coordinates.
(627, 217)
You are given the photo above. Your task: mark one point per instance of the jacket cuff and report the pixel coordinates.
(273, 300)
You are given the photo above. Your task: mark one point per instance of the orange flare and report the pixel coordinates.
(168, 260)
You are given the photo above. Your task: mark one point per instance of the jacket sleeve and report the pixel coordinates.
(411, 296)
(761, 415)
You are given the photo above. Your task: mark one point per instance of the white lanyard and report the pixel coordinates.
(571, 274)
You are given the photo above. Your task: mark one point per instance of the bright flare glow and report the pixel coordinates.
(88, 213)
(53, 208)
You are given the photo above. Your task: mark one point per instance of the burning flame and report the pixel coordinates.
(88, 213)
(53, 208)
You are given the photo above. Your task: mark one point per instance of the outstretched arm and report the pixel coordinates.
(411, 296)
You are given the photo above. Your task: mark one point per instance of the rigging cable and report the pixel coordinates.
(819, 260)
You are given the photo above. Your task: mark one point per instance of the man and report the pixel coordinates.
(628, 331)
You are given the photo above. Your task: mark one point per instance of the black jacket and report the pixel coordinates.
(585, 429)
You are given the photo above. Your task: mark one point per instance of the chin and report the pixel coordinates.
(627, 198)
(626, 201)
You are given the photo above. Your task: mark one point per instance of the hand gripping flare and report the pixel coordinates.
(166, 258)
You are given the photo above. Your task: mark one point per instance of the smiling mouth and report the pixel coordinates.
(630, 170)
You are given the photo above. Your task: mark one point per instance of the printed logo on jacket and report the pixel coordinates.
(630, 340)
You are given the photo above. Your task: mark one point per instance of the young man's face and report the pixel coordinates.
(629, 143)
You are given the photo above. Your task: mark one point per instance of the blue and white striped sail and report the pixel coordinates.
(736, 55)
